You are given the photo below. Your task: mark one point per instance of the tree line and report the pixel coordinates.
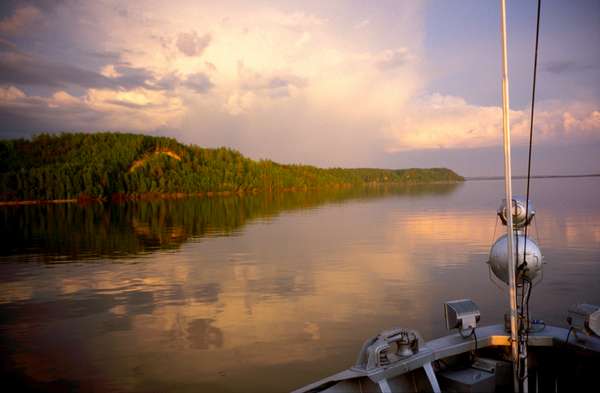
(104, 165)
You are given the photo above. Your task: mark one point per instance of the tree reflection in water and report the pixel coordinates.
(71, 232)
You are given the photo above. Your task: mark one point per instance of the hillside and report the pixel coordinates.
(104, 165)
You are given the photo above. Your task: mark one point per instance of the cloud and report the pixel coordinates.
(278, 84)
(111, 56)
(298, 20)
(274, 83)
(363, 24)
(134, 110)
(7, 45)
(21, 113)
(22, 69)
(588, 122)
(239, 103)
(20, 20)
(390, 59)
(449, 122)
(210, 66)
(190, 44)
(566, 66)
(17, 68)
(271, 83)
(10, 93)
(132, 77)
(198, 82)
(168, 81)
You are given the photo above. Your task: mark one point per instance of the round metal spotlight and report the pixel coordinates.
(522, 215)
(499, 258)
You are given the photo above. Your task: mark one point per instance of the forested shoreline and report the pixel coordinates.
(104, 166)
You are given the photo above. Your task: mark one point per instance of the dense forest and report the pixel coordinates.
(105, 165)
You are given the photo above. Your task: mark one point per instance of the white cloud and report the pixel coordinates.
(439, 121)
(589, 123)
(293, 20)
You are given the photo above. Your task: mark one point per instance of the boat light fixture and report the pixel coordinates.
(529, 259)
(523, 212)
(461, 314)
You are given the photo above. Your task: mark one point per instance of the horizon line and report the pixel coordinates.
(533, 177)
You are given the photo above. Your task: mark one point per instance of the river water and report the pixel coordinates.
(265, 292)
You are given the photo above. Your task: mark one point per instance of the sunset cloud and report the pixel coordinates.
(102, 109)
(198, 82)
(272, 80)
(438, 121)
(190, 44)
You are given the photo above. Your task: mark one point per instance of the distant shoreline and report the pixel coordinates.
(102, 165)
(119, 198)
(467, 178)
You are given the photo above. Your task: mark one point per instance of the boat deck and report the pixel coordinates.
(439, 363)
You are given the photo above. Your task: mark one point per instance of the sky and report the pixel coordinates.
(391, 84)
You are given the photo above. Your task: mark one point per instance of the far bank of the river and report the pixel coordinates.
(101, 165)
(119, 198)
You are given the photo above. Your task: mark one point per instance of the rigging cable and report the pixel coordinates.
(535, 61)
(525, 294)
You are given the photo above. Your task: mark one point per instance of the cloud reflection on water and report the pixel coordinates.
(305, 286)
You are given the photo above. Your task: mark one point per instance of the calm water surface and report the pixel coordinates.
(263, 293)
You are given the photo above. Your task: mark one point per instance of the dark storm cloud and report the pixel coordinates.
(199, 82)
(190, 44)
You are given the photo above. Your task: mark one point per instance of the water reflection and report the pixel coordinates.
(286, 300)
(202, 335)
(75, 232)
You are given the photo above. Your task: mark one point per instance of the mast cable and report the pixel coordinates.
(526, 283)
(535, 61)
